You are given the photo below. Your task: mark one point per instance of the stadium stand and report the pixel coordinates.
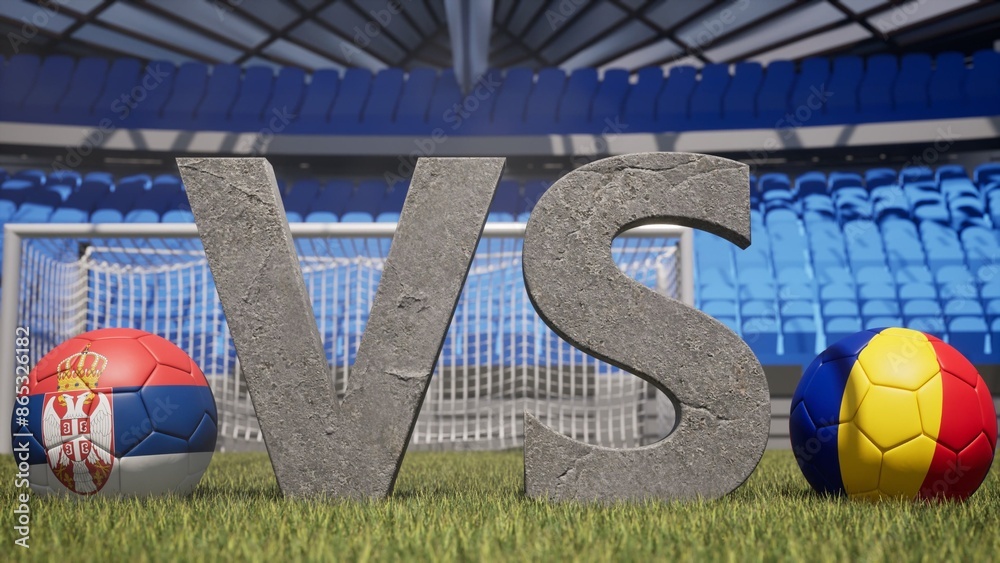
(195, 96)
(917, 246)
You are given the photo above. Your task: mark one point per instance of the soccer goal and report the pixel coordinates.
(498, 359)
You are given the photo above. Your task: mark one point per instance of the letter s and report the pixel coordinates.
(716, 383)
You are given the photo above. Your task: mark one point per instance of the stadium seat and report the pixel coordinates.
(156, 81)
(739, 101)
(609, 100)
(249, 105)
(19, 76)
(190, 82)
(911, 90)
(705, 108)
(640, 100)
(813, 73)
(574, 109)
(672, 101)
(947, 83)
(220, 93)
(799, 336)
(543, 101)
(841, 327)
(386, 89)
(345, 113)
(982, 86)
(774, 92)
(875, 93)
(411, 111)
(40, 102)
(85, 85)
(512, 98)
(323, 89)
(845, 77)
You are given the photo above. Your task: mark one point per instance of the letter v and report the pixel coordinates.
(317, 444)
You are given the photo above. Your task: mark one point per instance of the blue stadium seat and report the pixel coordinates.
(67, 215)
(968, 335)
(911, 90)
(18, 78)
(719, 308)
(941, 244)
(640, 104)
(917, 290)
(512, 99)
(220, 93)
(385, 93)
(705, 109)
(875, 291)
(319, 96)
(841, 327)
(609, 100)
(85, 86)
(836, 291)
(950, 171)
(574, 110)
(889, 202)
(813, 77)
(249, 106)
(334, 197)
(761, 333)
(881, 322)
(986, 174)
(933, 325)
(739, 101)
(773, 96)
(810, 183)
(800, 336)
(177, 216)
(914, 174)
(981, 246)
(190, 82)
(346, 111)
(39, 105)
(157, 83)
(913, 274)
(947, 84)
(841, 308)
(982, 86)
(441, 112)
(411, 112)
(321, 217)
(875, 93)
(35, 177)
(543, 101)
(879, 177)
(846, 79)
(286, 98)
(674, 97)
(921, 308)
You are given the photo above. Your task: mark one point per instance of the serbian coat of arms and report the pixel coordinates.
(77, 424)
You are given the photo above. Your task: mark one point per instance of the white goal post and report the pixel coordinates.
(499, 358)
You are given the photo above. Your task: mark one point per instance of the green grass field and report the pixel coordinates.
(470, 506)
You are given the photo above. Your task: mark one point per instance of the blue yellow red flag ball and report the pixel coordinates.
(893, 412)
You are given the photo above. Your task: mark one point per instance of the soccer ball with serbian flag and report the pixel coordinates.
(116, 411)
(893, 413)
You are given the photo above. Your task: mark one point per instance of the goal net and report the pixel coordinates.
(498, 360)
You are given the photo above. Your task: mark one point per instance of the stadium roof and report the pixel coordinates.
(567, 33)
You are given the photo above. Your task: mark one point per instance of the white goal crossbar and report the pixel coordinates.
(482, 383)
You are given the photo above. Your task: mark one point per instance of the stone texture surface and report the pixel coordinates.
(318, 445)
(714, 380)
